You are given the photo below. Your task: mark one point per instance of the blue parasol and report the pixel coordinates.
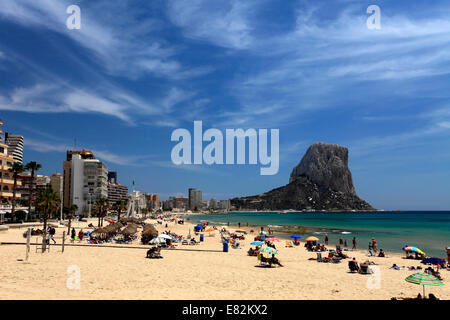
(257, 243)
(433, 261)
(296, 236)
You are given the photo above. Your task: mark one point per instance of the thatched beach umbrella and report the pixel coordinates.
(130, 229)
(149, 233)
(99, 230)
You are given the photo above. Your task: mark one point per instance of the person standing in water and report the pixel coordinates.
(326, 239)
(354, 243)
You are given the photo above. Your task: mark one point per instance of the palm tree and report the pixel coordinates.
(101, 207)
(48, 201)
(32, 166)
(121, 206)
(16, 169)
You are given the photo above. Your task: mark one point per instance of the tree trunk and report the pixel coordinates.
(118, 214)
(30, 200)
(70, 223)
(13, 208)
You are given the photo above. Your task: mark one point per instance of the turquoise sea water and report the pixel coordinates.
(429, 231)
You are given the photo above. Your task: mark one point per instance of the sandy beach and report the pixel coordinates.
(125, 273)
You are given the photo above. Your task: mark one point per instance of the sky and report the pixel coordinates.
(137, 70)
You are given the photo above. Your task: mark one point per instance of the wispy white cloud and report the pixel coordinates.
(224, 24)
(107, 156)
(127, 45)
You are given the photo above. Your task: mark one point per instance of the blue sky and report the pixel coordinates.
(137, 70)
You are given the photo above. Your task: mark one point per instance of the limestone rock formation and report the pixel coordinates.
(321, 181)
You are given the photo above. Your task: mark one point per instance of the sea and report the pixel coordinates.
(427, 230)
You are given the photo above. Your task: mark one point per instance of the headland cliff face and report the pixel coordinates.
(321, 181)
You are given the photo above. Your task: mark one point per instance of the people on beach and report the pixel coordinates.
(354, 243)
(395, 267)
(51, 234)
(275, 260)
(381, 253)
(341, 242)
(345, 243)
(80, 235)
(448, 256)
(374, 245)
(73, 234)
(326, 239)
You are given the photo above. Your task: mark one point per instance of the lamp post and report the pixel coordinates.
(90, 203)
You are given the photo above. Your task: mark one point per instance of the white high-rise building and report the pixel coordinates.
(89, 183)
(15, 146)
(195, 199)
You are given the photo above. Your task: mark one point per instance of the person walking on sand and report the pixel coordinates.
(80, 235)
(326, 239)
(72, 236)
(51, 234)
(374, 245)
(341, 242)
(239, 224)
(354, 243)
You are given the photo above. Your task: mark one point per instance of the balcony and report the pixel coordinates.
(6, 181)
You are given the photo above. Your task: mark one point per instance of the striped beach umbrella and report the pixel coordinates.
(273, 239)
(413, 249)
(268, 250)
(424, 279)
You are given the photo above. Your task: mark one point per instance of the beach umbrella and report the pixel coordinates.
(433, 261)
(268, 250)
(240, 231)
(413, 249)
(296, 236)
(156, 241)
(424, 279)
(210, 230)
(165, 236)
(312, 239)
(273, 239)
(257, 243)
(262, 232)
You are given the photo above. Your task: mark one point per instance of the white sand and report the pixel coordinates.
(110, 273)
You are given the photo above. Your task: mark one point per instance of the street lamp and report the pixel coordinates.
(90, 203)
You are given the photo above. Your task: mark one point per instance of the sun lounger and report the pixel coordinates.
(319, 257)
(364, 269)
